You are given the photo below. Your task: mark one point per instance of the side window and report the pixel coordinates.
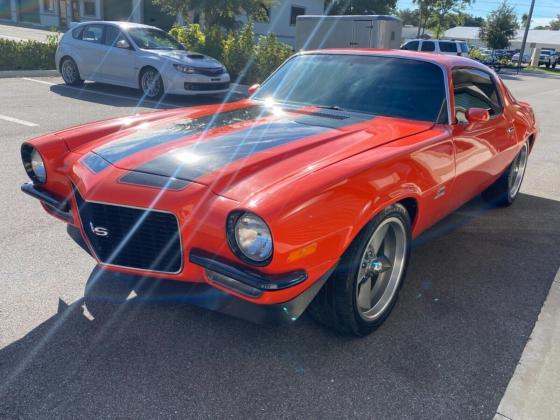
(428, 46)
(77, 33)
(474, 89)
(112, 35)
(411, 46)
(448, 47)
(93, 33)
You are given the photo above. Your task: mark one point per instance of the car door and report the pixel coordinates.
(479, 146)
(118, 65)
(92, 52)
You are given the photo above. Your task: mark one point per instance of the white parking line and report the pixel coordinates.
(18, 121)
(38, 81)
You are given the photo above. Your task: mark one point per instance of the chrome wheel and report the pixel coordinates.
(69, 71)
(517, 171)
(151, 84)
(381, 268)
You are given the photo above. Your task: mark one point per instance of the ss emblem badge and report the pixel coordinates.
(98, 230)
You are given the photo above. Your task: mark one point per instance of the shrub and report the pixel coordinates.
(27, 55)
(270, 53)
(214, 44)
(238, 54)
(190, 36)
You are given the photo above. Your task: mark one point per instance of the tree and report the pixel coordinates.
(361, 7)
(470, 20)
(426, 11)
(555, 24)
(500, 26)
(409, 17)
(443, 11)
(218, 12)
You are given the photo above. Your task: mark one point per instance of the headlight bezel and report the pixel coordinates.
(181, 68)
(231, 234)
(27, 151)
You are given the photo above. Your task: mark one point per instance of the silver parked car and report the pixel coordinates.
(137, 56)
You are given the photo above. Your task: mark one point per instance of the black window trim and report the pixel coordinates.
(494, 82)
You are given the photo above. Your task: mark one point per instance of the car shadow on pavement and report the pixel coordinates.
(475, 287)
(126, 97)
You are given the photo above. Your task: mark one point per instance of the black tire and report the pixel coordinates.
(70, 73)
(547, 65)
(501, 192)
(151, 83)
(336, 303)
(104, 294)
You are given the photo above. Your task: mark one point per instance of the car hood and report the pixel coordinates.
(243, 148)
(187, 57)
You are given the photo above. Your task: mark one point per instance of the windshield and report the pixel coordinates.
(387, 86)
(153, 39)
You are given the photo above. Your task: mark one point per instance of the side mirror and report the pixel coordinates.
(122, 43)
(254, 88)
(477, 115)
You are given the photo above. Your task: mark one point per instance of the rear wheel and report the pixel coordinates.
(506, 189)
(70, 73)
(364, 288)
(151, 83)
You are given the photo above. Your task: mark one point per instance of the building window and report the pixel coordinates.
(295, 12)
(89, 8)
(48, 6)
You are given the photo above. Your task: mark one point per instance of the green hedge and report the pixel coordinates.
(246, 60)
(26, 55)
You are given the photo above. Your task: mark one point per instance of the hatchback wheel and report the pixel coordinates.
(151, 83)
(364, 287)
(70, 73)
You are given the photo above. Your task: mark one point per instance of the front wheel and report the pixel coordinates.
(505, 190)
(151, 83)
(364, 288)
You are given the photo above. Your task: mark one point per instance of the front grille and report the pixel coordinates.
(210, 72)
(130, 237)
(206, 86)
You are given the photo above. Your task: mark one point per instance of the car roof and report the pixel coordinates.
(435, 40)
(120, 24)
(444, 60)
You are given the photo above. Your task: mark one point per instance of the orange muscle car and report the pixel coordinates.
(308, 193)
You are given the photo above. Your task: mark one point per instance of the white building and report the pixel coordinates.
(536, 38)
(282, 18)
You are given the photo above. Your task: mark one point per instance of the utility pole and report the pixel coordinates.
(529, 18)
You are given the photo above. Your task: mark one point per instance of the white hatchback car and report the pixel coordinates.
(437, 46)
(137, 56)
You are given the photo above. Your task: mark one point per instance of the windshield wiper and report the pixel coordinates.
(333, 107)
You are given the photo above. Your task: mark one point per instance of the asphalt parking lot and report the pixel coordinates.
(475, 287)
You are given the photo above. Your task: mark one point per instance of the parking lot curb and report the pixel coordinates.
(27, 73)
(532, 392)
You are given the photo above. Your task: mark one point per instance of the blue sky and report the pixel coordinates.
(545, 10)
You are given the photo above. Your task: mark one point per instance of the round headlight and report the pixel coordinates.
(33, 164)
(38, 166)
(253, 237)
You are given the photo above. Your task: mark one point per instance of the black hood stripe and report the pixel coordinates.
(193, 161)
(143, 139)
